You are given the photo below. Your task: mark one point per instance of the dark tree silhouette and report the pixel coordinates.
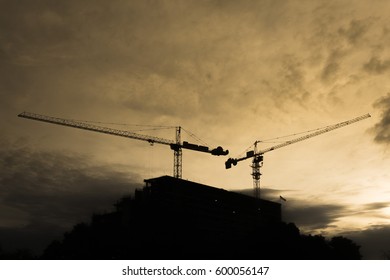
(20, 254)
(345, 249)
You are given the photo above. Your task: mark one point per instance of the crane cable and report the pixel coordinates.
(146, 128)
(294, 134)
(149, 127)
(195, 137)
(272, 140)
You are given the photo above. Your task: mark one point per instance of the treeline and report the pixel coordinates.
(21, 254)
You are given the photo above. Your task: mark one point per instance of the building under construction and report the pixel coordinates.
(207, 204)
(171, 218)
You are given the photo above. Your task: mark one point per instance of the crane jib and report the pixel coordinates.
(175, 145)
(90, 127)
(234, 161)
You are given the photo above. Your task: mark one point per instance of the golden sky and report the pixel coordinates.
(231, 72)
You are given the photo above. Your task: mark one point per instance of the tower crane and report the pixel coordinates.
(176, 145)
(257, 155)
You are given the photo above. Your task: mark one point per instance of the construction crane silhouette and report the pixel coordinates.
(176, 145)
(257, 155)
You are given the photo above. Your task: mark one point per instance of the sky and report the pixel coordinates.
(230, 73)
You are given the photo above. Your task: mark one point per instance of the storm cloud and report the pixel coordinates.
(382, 128)
(45, 193)
(313, 217)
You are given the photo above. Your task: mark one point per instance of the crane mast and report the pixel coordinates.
(176, 145)
(257, 155)
(177, 155)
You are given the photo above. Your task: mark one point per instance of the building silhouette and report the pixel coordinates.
(171, 218)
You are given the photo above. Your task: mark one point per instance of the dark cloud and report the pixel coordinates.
(374, 242)
(312, 217)
(320, 217)
(355, 31)
(337, 49)
(335, 41)
(152, 58)
(382, 129)
(376, 205)
(332, 65)
(377, 66)
(138, 55)
(303, 213)
(48, 192)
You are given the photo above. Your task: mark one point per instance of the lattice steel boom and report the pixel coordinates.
(176, 145)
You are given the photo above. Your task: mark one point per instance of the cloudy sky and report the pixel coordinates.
(228, 72)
